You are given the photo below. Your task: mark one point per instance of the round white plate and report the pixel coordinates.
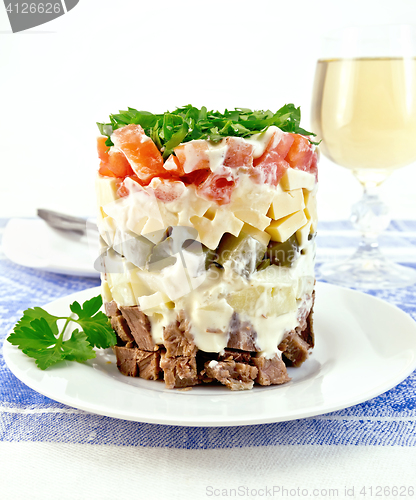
(32, 243)
(364, 346)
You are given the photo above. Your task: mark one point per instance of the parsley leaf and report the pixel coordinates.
(77, 348)
(37, 313)
(95, 324)
(37, 334)
(168, 130)
(38, 341)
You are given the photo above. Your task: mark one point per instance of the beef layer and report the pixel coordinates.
(182, 365)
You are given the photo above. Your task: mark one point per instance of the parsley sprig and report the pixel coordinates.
(188, 123)
(37, 334)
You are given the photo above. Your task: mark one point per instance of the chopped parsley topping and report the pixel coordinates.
(188, 123)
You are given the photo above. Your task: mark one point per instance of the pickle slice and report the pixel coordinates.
(283, 254)
(243, 252)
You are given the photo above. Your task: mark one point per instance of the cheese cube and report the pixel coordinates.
(249, 194)
(154, 230)
(107, 228)
(255, 233)
(136, 225)
(122, 293)
(106, 190)
(105, 291)
(296, 179)
(253, 217)
(153, 301)
(211, 231)
(302, 234)
(311, 211)
(262, 300)
(286, 203)
(138, 283)
(280, 230)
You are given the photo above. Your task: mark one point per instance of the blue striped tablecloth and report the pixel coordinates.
(51, 451)
(26, 415)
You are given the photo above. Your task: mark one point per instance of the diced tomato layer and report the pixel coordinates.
(104, 170)
(102, 149)
(269, 168)
(167, 190)
(138, 158)
(216, 188)
(116, 166)
(300, 154)
(123, 190)
(119, 165)
(113, 163)
(197, 177)
(284, 144)
(314, 165)
(283, 151)
(193, 156)
(174, 166)
(140, 150)
(239, 153)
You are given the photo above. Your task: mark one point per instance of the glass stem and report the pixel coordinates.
(370, 216)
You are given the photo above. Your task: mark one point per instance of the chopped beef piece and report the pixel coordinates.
(126, 360)
(234, 355)
(185, 366)
(139, 325)
(236, 376)
(179, 372)
(295, 349)
(202, 357)
(271, 371)
(177, 338)
(148, 364)
(241, 335)
(111, 309)
(121, 328)
(307, 333)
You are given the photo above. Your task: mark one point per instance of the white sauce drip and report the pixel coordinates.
(260, 141)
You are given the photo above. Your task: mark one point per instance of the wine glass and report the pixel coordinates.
(364, 111)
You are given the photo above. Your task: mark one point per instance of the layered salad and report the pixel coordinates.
(207, 223)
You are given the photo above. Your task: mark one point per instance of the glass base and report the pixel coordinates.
(367, 270)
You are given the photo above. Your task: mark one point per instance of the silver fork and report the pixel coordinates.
(64, 222)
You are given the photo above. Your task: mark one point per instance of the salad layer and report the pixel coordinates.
(217, 232)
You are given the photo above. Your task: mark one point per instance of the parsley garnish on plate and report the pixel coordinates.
(38, 336)
(188, 123)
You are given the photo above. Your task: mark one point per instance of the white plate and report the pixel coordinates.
(32, 243)
(364, 346)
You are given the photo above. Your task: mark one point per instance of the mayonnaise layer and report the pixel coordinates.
(269, 300)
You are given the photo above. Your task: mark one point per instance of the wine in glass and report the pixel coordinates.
(364, 111)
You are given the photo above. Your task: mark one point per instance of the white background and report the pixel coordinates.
(58, 79)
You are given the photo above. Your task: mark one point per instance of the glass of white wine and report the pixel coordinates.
(364, 111)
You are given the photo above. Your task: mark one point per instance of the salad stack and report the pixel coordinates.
(207, 223)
